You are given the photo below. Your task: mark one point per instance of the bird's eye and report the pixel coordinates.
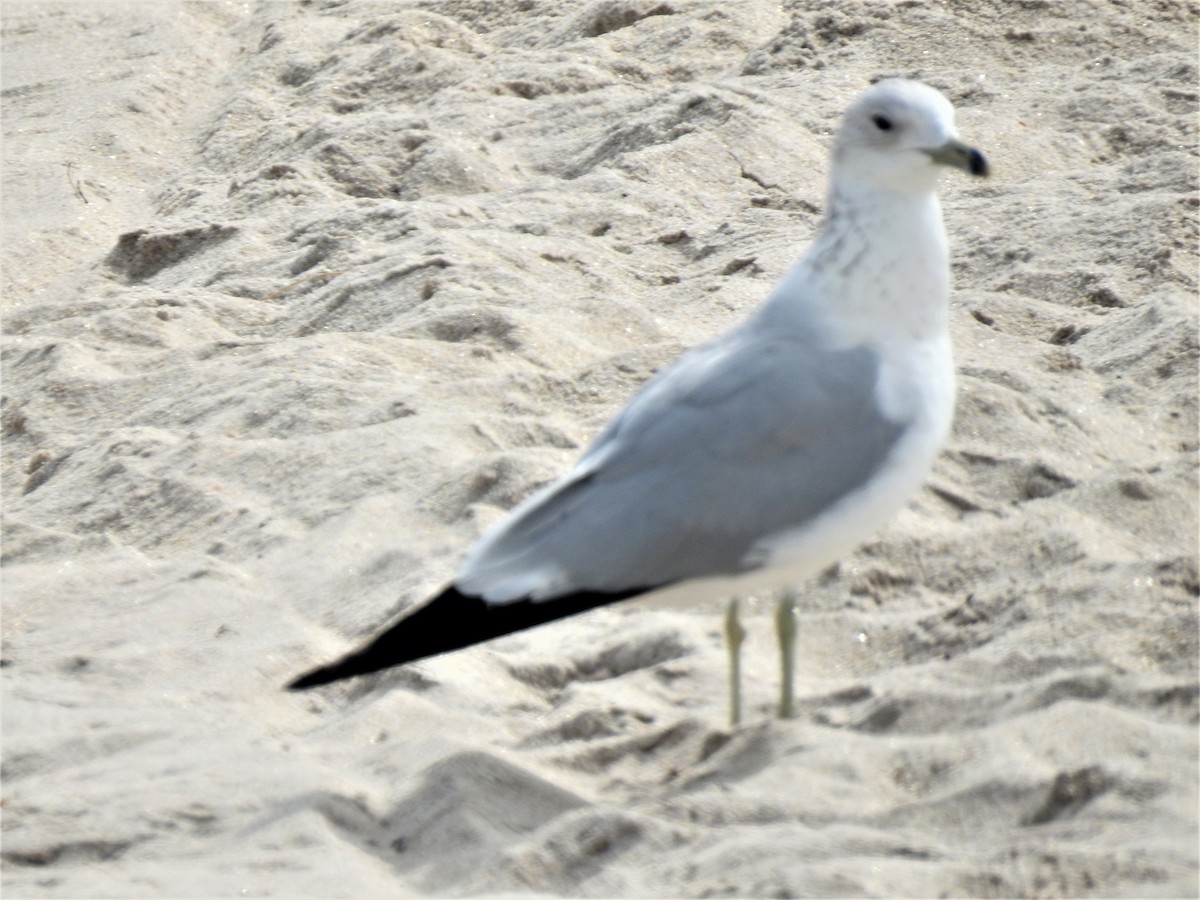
(883, 123)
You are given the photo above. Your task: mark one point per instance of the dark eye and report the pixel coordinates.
(883, 123)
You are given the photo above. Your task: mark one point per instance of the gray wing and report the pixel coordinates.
(739, 440)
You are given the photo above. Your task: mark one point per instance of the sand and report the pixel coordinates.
(298, 298)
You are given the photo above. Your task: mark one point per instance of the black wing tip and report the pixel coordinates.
(346, 667)
(315, 678)
(450, 621)
(396, 646)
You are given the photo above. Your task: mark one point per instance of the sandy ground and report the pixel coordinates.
(298, 298)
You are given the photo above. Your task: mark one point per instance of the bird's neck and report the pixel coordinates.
(880, 265)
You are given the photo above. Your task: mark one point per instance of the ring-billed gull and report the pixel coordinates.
(762, 457)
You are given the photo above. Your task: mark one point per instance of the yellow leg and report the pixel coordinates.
(785, 628)
(734, 635)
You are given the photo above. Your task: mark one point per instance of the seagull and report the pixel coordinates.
(762, 457)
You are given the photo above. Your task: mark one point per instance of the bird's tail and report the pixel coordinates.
(450, 621)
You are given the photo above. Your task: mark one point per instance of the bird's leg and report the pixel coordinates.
(734, 635)
(785, 628)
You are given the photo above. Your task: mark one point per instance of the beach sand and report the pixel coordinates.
(299, 298)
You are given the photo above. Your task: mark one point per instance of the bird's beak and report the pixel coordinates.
(957, 154)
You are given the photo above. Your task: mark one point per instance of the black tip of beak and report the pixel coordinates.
(977, 164)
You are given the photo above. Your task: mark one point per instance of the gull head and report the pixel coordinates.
(897, 136)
